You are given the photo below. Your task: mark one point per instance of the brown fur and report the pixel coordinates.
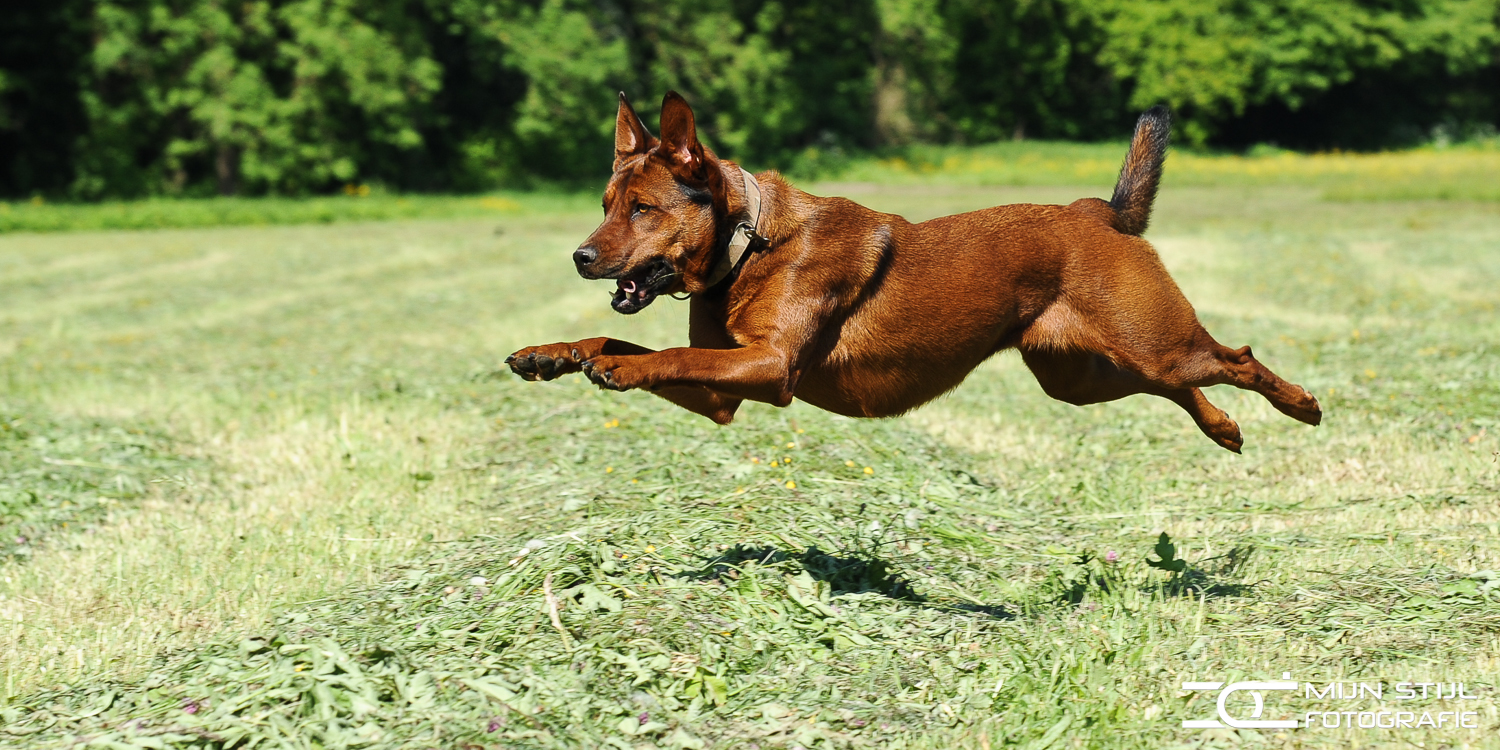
(866, 314)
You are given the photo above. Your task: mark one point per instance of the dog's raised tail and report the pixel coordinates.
(1139, 176)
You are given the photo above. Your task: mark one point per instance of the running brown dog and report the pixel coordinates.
(868, 315)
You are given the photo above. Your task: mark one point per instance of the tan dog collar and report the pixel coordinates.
(744, 233)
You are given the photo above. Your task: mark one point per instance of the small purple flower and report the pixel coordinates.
(644, 717)
(495, 724)
(1111, 556)
(190, 706)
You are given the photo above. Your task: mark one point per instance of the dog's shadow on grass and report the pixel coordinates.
(861, 572)
(854, 572)
(1198, 581)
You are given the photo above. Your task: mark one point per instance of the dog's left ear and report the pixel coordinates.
(679, 138)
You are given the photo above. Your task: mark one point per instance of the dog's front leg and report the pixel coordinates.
(757, 373)
(550, 361)
(715, 406)
(763, 365)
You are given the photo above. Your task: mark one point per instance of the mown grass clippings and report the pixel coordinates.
(61, 476)
(1000, 539)
(720, 622)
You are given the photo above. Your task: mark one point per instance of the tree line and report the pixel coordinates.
(129, 98)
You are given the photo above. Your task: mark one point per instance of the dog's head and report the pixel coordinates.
(661, 210)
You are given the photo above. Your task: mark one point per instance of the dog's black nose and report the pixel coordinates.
(585, 255)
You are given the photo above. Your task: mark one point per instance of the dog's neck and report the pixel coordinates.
(744, 209)
(773, 192)
(774, 222)
(784, 210)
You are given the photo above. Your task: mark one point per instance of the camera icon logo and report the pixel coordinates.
(1255, 689)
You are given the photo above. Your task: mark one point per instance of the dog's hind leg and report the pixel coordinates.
(1079, 378)
(1241, 369)
(1201, 362)
(1126, 308)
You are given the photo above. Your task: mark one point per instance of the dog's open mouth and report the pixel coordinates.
(634, 292)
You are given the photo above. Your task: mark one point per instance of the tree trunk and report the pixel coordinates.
(893, 123)
(227, 169)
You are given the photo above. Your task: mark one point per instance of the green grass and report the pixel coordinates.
(1454, 173)
(1457, 173)
(335, 487)
(39, 216)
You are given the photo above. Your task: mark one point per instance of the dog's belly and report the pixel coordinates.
(958, 290)
(867, 394)
(899, 366)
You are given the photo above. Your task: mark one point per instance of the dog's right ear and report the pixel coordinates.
(679, 136)
(631, 136)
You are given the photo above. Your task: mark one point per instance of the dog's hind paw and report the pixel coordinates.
(1302, 407)
(1231, 443)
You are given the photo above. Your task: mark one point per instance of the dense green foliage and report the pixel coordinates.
(121, 98)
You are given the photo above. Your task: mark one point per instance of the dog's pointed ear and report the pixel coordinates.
(679, 138)
(631, 136)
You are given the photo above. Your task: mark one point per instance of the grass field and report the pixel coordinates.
(264, 486)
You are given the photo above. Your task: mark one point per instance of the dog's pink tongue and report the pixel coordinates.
(628, 287)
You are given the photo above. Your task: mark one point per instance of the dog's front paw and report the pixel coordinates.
(610, 373)
(545, 362)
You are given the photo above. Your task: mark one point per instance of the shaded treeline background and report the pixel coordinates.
(127, 98)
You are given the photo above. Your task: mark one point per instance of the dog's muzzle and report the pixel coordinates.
(637, 290)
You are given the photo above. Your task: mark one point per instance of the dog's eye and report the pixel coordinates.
(641, 208)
